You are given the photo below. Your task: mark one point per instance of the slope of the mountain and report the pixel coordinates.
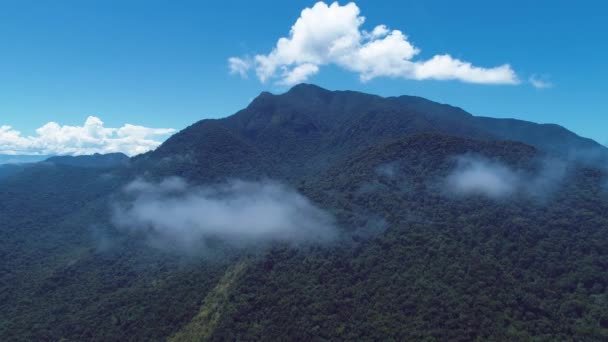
(66, 274)
(444, 268)
(96, 160)
(206, 151)
(548, 137)
(7, 170)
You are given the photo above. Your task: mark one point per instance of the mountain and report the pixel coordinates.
(309, 128)
(445, 226)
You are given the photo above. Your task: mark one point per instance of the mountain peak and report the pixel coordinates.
(307, 88)
(303, 93)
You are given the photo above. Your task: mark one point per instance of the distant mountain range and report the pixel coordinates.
(314, 215)
(15, 164)
(20, 159)
(97, 160)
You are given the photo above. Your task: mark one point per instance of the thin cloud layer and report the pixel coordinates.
(540, 83)
(173, 214)
(476, 175)
(332, 34)
(239, 66)
(481, 176)
(92, 137)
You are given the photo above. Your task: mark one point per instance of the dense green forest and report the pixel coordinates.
(412, 261)
(443, 269)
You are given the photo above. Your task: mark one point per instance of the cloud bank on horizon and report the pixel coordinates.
(332, 35)
(92, 137)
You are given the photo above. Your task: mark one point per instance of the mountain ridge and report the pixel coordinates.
(97, 160)
(304, 130)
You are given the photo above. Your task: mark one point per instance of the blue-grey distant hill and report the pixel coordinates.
(96, 160)
(21, 159)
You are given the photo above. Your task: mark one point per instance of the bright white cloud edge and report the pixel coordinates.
(332, 35)
(92, 137)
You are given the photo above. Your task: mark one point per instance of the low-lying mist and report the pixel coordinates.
(175, 214)
(477, 175)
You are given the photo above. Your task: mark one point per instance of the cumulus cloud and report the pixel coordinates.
(331, 34)
(175, 214)
(92, 137)
(540, 83)
(476, 175)
(299, 74)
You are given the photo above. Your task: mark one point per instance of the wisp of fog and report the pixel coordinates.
(481, 176)
(240, 213)
(388, 170)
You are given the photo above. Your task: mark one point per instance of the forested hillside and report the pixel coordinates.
(381, 219)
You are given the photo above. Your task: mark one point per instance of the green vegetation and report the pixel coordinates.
(203, 325)
(444, 269)
(413, 262)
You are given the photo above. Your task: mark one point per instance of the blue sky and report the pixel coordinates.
(164, 64)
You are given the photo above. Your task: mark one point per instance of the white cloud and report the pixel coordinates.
(299, 73)
(540, 83)
(92, 137)
(444, 67)
(484, 177)
(332, 34)
(379, 31)
(239, 66)
(173, 213)
(476, 175)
